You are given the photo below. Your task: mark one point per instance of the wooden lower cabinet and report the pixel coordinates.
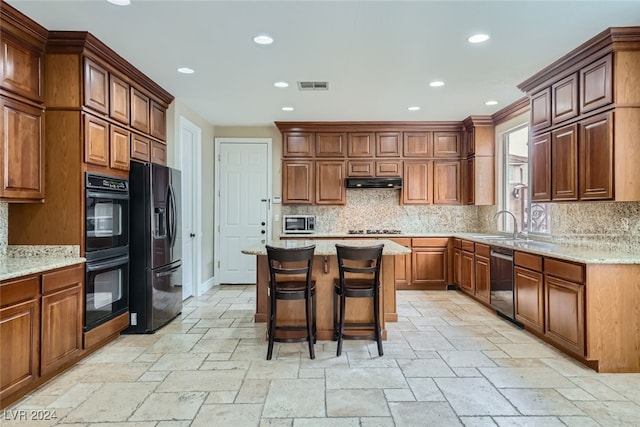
(403, 266)
(483, 279)
(429, 263)
(467, 270)
(564, 314)
(529, 298)
(457, 266)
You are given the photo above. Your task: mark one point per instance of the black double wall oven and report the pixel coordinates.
(106, 248)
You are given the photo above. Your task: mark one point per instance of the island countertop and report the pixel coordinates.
(328, 247)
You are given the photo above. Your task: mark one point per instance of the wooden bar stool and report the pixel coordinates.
(359, 269)
(290, 279)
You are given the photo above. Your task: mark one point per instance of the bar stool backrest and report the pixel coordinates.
(356, 253)
(281, 258)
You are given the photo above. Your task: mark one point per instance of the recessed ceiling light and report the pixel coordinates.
(287, 108)
(478, 38)
(120, 2)
(281, 84)
(413, 108)
(186, 70)
(436, 83)
(492, 102)
(263, 39)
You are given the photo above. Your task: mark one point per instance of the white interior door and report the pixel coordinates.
(190, 135)
(243, 206)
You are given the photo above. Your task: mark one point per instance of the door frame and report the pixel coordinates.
(184, 123)
(216, 226)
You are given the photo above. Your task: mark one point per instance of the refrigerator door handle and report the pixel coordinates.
(174, 215)
(170, 215)
(168, 272)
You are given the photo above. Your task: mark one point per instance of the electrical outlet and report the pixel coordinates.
(134, 319)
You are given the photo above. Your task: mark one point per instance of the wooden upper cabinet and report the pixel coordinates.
(361, 144)
(388, 144)
(388, 168)
(140, 104)
(96, 141)
(362, 168)
(330, 188)
(446, 182)
(119, 100)
(541, 168)
(417, 187)
(158, 153)
(447, 144)
(21, 68)
(22, 153)
(140, 148)
(158, 121)
(541, 110)
(119, 147)
(297, 144)
(564, 96)
(468, 172)
(417, 144)
(596, 84)
(331, 144)
(297, 182)
(96, 87)
(564, 163)
(595, 149)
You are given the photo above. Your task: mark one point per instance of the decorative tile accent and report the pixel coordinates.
(4, 228)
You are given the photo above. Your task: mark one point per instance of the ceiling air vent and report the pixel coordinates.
(313, 85)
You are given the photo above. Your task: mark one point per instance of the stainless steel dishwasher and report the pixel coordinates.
(502, 281)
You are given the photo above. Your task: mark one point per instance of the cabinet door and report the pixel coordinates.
(360, 144)
(119, 143)
(388, 144)
(483, 280)
(96, 141)
(564, 163)
(158, 121)
(403, 266)
(96, 87)
(119, 103)
(468, 180)
(467, 273)
(158, 153)
(596, 85)
(22, 152)
(140, 104)
(331, 144)
(417, 144)
(297, 182)
(21, 68)
(429, 267)
(330, 189)
(388, 168)
(62, 317)
(417, 187)
(447, 144)
(541, 168)
(564, 314)
(457, 266)
(529, 298)
(360, 168)
(541, 110)
(446, 182)
(469, 142)
(140, 148)
(564, 95)
(20, 332)
(595, 148)
(297, 144)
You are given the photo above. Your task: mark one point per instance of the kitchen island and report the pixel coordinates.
(324, 270)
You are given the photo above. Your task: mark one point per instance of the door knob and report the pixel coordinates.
(192, 235)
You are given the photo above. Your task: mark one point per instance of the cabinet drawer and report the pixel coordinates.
(404, 241)
(360, 168)
(23, 289)
(482, 250)
(429, 242)
(457, 243)
(467, 246)
(61, 279)
(564, 270)
(530, 261)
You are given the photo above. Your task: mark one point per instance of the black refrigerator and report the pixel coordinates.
(155, 247)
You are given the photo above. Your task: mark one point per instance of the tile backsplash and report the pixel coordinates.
(611, 225)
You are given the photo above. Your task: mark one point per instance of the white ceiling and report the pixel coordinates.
(378, 56)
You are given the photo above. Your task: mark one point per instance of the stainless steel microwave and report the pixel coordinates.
(298, 224)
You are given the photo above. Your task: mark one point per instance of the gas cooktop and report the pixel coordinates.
(377, 231)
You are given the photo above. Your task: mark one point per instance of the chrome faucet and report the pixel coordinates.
(515, 222)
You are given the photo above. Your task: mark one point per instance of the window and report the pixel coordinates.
(532, 217)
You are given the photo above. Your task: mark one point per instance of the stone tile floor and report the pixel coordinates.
(448, 362)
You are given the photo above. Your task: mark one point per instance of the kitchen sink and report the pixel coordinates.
(493, 237)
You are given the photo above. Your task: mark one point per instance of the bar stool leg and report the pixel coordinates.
(376, 320)
(272, 325)
(309, 316)
(341, 328)
(313, 308)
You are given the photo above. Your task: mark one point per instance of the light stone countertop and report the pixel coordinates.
(562, 251)
(11, 268)
(328, 247)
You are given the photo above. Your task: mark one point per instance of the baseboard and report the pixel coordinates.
(204, 287)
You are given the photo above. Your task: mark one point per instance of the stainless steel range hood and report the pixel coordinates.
(394, 182)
